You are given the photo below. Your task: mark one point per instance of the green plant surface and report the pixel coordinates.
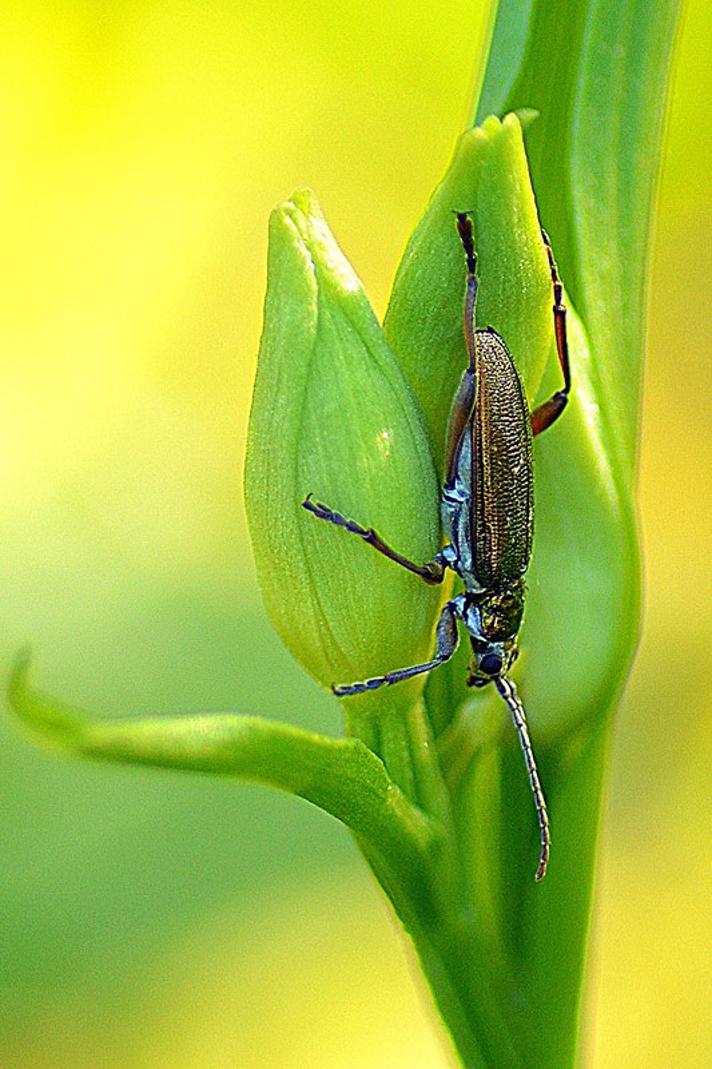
(598, 74)
(432, 780)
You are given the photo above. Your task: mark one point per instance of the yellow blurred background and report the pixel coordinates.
(154, 920)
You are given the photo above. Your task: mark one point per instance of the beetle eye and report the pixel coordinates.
(491, 664)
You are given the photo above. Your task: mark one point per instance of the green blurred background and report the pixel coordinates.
(158, 920)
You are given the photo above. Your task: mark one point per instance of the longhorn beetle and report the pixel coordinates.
(487, 512)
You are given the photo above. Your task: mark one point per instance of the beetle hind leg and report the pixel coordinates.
(447, 642)
(464, 400)
(431, 572)
(467, 237)
(548, 412)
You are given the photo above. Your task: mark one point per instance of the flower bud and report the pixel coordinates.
(489, 177)
(333, 416)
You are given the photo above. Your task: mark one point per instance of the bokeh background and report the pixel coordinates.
(158, 920)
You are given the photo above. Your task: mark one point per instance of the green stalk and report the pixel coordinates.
(597, 73)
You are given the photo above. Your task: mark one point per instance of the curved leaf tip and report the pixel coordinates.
(52, 719)
(19, 673)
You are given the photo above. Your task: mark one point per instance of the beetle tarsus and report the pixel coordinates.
(466, 232)
(447, 642)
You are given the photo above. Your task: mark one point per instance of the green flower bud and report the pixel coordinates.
(332, 415)
(489, 177)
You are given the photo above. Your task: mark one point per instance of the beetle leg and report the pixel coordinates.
(431, 572)
(464, 229)
(464, 400)
(460, 412)
(447, 641)
(548, 412)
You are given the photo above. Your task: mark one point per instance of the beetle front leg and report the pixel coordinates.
(548, 412)
(431, 572)
(447, 641)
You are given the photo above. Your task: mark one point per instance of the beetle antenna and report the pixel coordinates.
(508, 691)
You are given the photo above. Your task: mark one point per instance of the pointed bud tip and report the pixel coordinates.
(301, 214)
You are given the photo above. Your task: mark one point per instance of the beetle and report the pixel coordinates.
(487, 513)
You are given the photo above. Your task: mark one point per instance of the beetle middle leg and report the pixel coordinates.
(548, 412)
(447, 642)
(432, 571)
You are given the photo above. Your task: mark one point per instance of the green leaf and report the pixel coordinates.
(341, 776)
(597, 72)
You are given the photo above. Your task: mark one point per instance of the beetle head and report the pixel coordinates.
(490, 660)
